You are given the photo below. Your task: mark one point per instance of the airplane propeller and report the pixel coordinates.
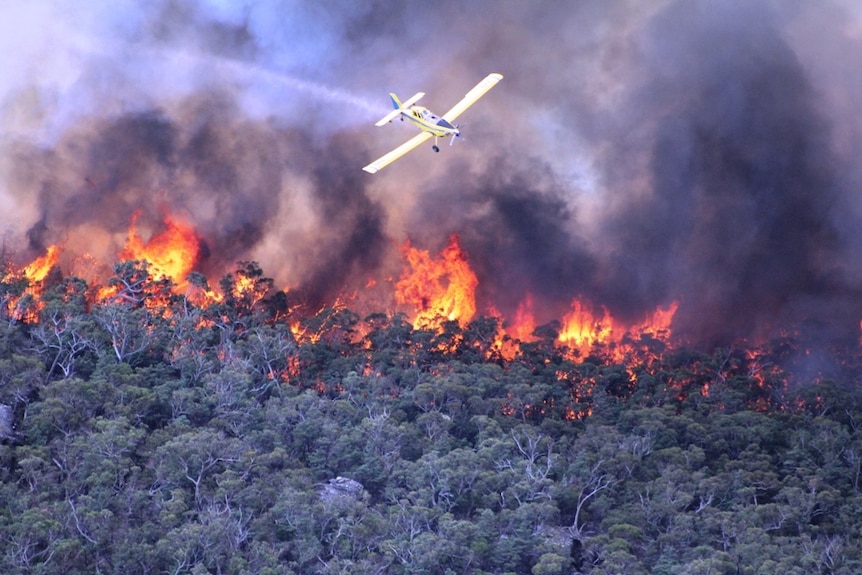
(457, 134)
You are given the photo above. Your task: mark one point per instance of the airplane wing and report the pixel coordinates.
(477, 92)
(384, 161)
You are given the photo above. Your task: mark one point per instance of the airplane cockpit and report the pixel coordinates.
(430, 117)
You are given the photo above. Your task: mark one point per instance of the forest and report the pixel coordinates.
(153, 431)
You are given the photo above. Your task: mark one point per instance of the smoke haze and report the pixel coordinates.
(635, 154)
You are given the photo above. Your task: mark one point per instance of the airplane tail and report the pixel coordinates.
(398, 106)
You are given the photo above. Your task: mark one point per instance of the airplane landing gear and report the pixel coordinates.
(436, 148)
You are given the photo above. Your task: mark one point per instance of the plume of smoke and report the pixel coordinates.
(737, 217)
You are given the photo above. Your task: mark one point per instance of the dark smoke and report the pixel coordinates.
(348, 245)
(738, 222)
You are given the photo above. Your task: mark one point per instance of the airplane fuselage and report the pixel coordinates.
(426, 121)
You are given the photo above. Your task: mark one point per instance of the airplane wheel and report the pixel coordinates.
(436, 148)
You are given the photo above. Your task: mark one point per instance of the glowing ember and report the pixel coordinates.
(171, 253)
(442, 288)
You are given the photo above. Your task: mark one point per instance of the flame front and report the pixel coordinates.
(438, 289)
(432, 289)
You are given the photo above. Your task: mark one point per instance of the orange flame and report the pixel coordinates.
(434, 289)
(39, 268)
(508, 340)
(34, 273)
(524, 323)
(658, 325)
(171, 253)
(438, 289)
(583, 329)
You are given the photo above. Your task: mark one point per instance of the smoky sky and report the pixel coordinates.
(635, 154)
(747, 157)
(739, 213)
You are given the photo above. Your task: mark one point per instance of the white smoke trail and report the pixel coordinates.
(327, 93)
(255, 74)
(264, 90)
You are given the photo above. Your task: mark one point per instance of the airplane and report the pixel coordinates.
(429, 123)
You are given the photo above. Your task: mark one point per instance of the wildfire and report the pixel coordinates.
(443, 288)
(171, 253)
(439, 289)
(39, 268)
(519, 330)
(24, 306)
(583, 329)
(433, 289)
(524, 322)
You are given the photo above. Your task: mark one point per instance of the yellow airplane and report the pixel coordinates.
(425, 120)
